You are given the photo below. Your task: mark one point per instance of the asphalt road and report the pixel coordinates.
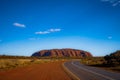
(90, 73)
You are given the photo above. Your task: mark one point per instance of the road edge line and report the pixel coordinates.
(107, 77)
(70, 74)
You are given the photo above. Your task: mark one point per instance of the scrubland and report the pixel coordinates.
(6, 64)
(100, 62)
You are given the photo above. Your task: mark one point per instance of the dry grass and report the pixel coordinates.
(92, 60)
(13, 63)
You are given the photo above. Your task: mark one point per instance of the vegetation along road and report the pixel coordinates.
(83, 72)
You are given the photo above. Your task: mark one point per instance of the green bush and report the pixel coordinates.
(113, 59)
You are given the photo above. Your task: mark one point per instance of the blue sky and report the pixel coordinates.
(27, 26)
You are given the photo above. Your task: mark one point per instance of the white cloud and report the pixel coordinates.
(42, 32)
(113, 2)
(19, 25)
(116, 3)
(48, 31)
(34, 38)
(54, 30)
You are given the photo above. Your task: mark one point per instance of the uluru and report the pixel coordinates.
(62, 53)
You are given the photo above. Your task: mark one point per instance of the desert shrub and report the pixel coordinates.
(92, 60)
(113, 59)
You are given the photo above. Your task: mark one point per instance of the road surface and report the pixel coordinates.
(90, 73)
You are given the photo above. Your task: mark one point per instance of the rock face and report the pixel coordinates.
(62, 53)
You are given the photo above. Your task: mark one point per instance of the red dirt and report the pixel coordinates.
(43, 71)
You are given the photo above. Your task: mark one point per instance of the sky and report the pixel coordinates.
(27, 26)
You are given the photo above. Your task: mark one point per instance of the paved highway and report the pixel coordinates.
(90, 73)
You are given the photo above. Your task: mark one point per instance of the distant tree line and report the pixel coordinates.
(14, 57)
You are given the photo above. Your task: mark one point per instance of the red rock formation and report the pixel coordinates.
(62, 53)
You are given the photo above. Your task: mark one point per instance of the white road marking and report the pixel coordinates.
(71, 73)
(93, 72)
